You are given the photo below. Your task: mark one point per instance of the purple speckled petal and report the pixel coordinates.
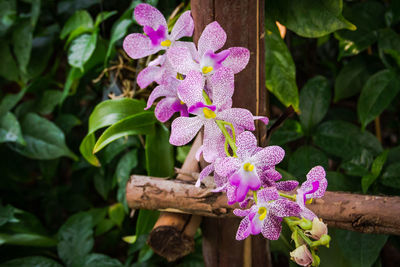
(287, 186)
(220, 181)
(241, 213)
(272, 227)
(212, 38)
(308, 214)
(267, 194)
(244, 229)
(237, 59)
(213, 141)
(246, 143)
(315, 174)
(164, 110)
(227, 166)
(191, 47)
(198, 153)
(231, 194)
(184, 26)
(284, 208)
(263, 119)
(182, 60)
(147, 15)
(238, 117)
(255, 224)
(148, 75)
(222, 86)
(159, 91)
(198, 107)
(244, 180)
(269, 156)
(158, 61)
(244, 203)
(183, 129)
(137, 45)
(272, 174)
(190, 90)
(204, 173)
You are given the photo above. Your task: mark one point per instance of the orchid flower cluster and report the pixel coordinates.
(198, 82)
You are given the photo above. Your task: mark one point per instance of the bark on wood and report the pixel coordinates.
(362, 213)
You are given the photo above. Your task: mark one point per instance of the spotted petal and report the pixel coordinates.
(237, 59)
(204, 173)
(159, 91)
(267, 194)
(269, 156)
(222, 86)
(190, 90)
(147, 15)
(213, 142)
(212, 38)
(272, 227)
(184, 26)
(183, 130)
(137, 45)
(226, 166)
(164, 109)
(148, 75)
(244, 229)
(246, 144)
(284, 208)
(287, 186)
(239, 117)
(182, 60)
(316, 174)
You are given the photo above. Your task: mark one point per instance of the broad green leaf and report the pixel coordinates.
(75, 239)
(105, 114)
(376, 95)
(141, 123)
(359, 164)
(159, 153)
(368, 18)
(351, 79)
(344, 139)
(27, 239)
(35, 12)
(81, 49)
(280, 71)
(8, 67)
(116, 147)
(146, 221)
(48, 101)
(315, 98)
(8, 15)
(309, 18)
(394, 155)
(304, 159)
(96, 260)
(44, 140)
(42, 49)
(81, 18)
(22, 43)
(10, 130)
(67, 121)
(118, 31)
(102, 16)
(6, 214)
(391, 177)
(290, 131)
(339, 182)
(103, 184)
(72, 82)
(116, 213)
(376, 169)
(182, 152)
(126, 164)
(104, 226)
(37, 261)
(389, 43)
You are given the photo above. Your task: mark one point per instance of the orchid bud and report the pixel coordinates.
(302, 256)
(318, 229)
(297, 239)
(316, 260)
(325, 239)
(306, 224)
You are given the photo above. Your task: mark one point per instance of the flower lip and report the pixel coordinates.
(248, 167)
(158, 36)
(194, 109)
(315, 186)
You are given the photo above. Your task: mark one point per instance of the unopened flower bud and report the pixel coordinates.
(306, 224)
(325, 239)
(302, 256)
(316, 260)
(318, 229)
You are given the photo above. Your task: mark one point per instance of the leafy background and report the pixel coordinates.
(62, 205)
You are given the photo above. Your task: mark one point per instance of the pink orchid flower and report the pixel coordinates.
(313, 187)
(265, 217)
(155, 39)
(205, 59)
(171, 103)
(190, 91)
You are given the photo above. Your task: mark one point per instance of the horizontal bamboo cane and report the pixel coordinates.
(362, 213)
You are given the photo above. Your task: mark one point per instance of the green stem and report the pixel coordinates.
(291, 197)
(231, 142)
(255, 196)
(295, 228)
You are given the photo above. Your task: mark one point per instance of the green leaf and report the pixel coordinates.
(126, 164)
(81, 49)
(22, 43)
(359, 164)
(42, 49)
(368, 17)
(376, 95)
(344, 139)
(107, 113)
(104, 226)
(389, 43)
(6, 214)
(339, 182)
(27, 239)
(8, 66)
(37, 261)
(391, 177)
(118, 31)
(81, 18)
(309, 18)
(376, 169)
(8, 15)
(146, 221)
(290, 131)
(44, 140)
(116, 213)
(130, 239)
(67, 121)
(182, 152)
(280, 71)
(141, 123)
(75, 239)
(159, 153)
(48, 101)
(304, 159)
(116, 147)
(315, 98)
(96, 260)
(10, 130)
(35, 12)
(103, 184)
(102, 16)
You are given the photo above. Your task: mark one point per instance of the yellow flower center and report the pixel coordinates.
(208, 113)
(309, 201)
(207, 69)
(166, 43)
(263, 212)
(248, 167)
(182, 103)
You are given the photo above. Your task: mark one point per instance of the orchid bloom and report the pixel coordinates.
(205, 59)
(302, 256)
(318, 229)
(170, 104)
(155, 39)
(265, 217)
(190, 91)
(244, 171)
(313, 187)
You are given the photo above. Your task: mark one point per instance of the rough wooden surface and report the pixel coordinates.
(368, 214)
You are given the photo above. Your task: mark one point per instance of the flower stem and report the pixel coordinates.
(291, 197)
(294, 228)
(228, 138)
